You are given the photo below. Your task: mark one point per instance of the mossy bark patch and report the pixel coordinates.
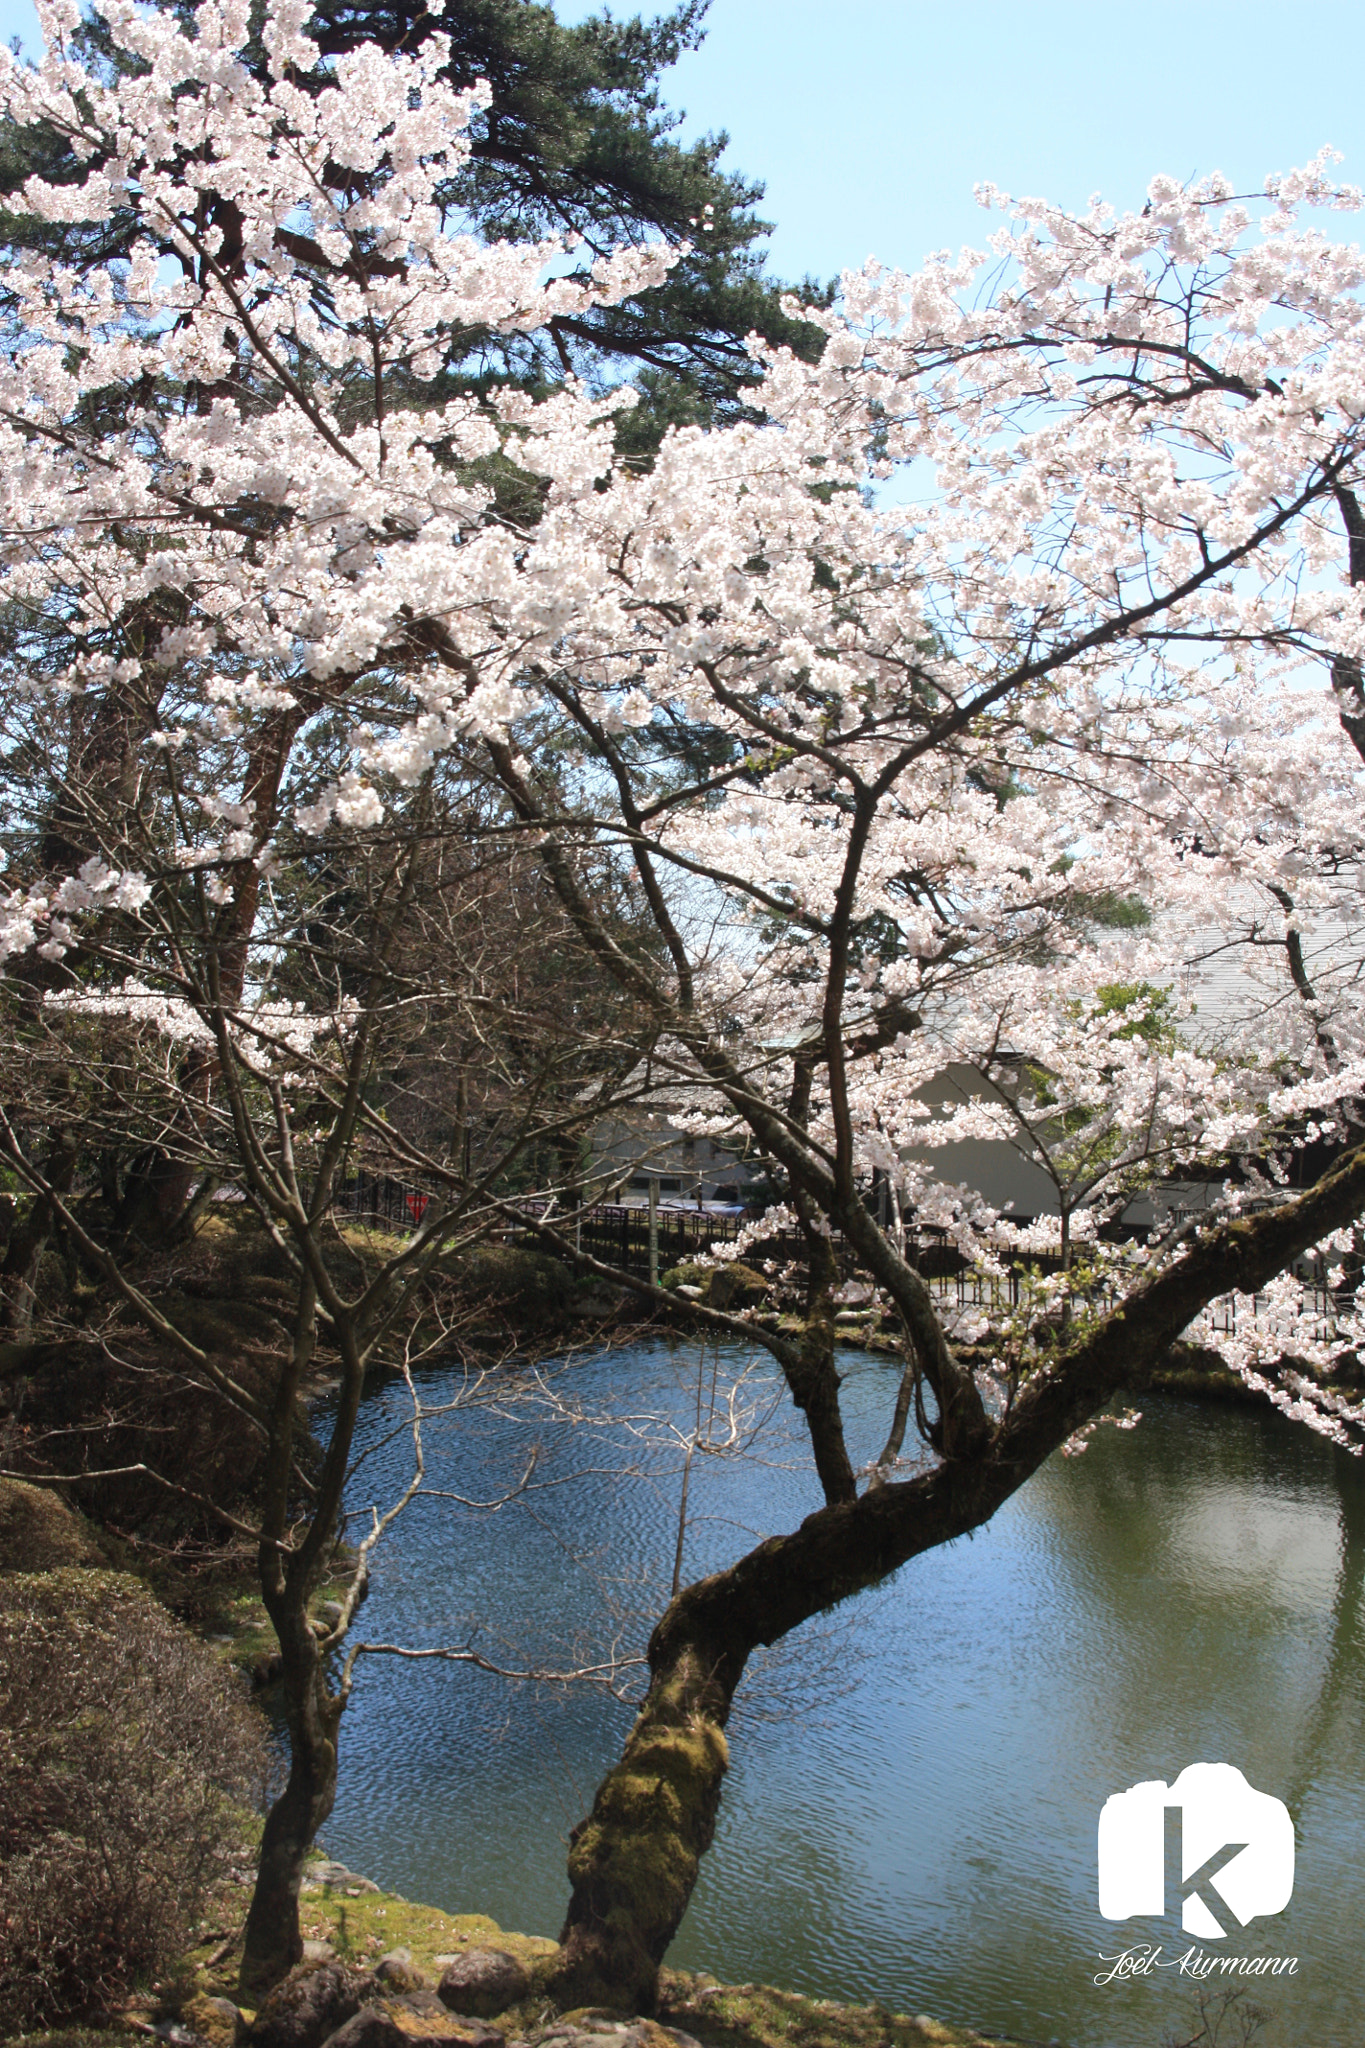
(634, 1860)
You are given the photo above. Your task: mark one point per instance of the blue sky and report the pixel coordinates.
(870, 121)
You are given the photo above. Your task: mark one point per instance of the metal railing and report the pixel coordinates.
(618, 1234)
(999, 1294)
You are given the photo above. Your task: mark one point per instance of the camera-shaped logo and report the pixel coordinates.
(1210, 1840)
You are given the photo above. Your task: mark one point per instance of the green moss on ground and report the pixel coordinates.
(362, 1926)
(368, 1925)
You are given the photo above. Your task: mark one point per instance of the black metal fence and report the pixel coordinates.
(618, 1234)
(376, 1199)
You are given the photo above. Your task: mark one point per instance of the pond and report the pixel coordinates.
(915, 1785)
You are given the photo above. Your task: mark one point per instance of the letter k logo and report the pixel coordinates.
(1197, 1915)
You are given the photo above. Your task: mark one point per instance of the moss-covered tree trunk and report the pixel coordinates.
(635, 1859)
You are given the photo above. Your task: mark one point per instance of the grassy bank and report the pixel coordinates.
(360, 1926)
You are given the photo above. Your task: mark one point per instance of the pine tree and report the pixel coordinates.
(577, 142)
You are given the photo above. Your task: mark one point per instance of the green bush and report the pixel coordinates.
(127, 1758)
(514, 1281)
(733, 1285)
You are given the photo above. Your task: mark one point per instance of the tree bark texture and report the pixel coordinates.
(634, 1860)
(274, 1939)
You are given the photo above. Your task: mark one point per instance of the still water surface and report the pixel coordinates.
(911, 1808)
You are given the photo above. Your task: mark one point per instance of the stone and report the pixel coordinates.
(597, 1301)
(485, 1981)
(651, 2034)
(416, 2021)
(338, 1876)
(586, 2019)
(596, 2034)
(307, 2008)
(397, 1972)
(592, 2027)
(215, 2021)
(422, 2019)
(418, 1998)
(371, 2027)
(736, 1286)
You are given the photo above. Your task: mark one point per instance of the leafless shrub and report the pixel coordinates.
(1224, 2018)
(126, 1760)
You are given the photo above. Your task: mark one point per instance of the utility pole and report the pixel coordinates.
(654, 1230)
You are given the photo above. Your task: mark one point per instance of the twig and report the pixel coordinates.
(590, 1674)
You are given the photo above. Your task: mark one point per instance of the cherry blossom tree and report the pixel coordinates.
(1099, 649)
(1036, 597)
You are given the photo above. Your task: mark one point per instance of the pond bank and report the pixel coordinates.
(819, 1880)
(350, 1921)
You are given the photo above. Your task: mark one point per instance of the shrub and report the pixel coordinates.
(40, 1532)
(127, 1756)
(135, 1395)
(514, 1281)
(732, 1285)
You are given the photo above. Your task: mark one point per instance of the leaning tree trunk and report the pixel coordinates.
(635, 1859)
(274, 1940)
